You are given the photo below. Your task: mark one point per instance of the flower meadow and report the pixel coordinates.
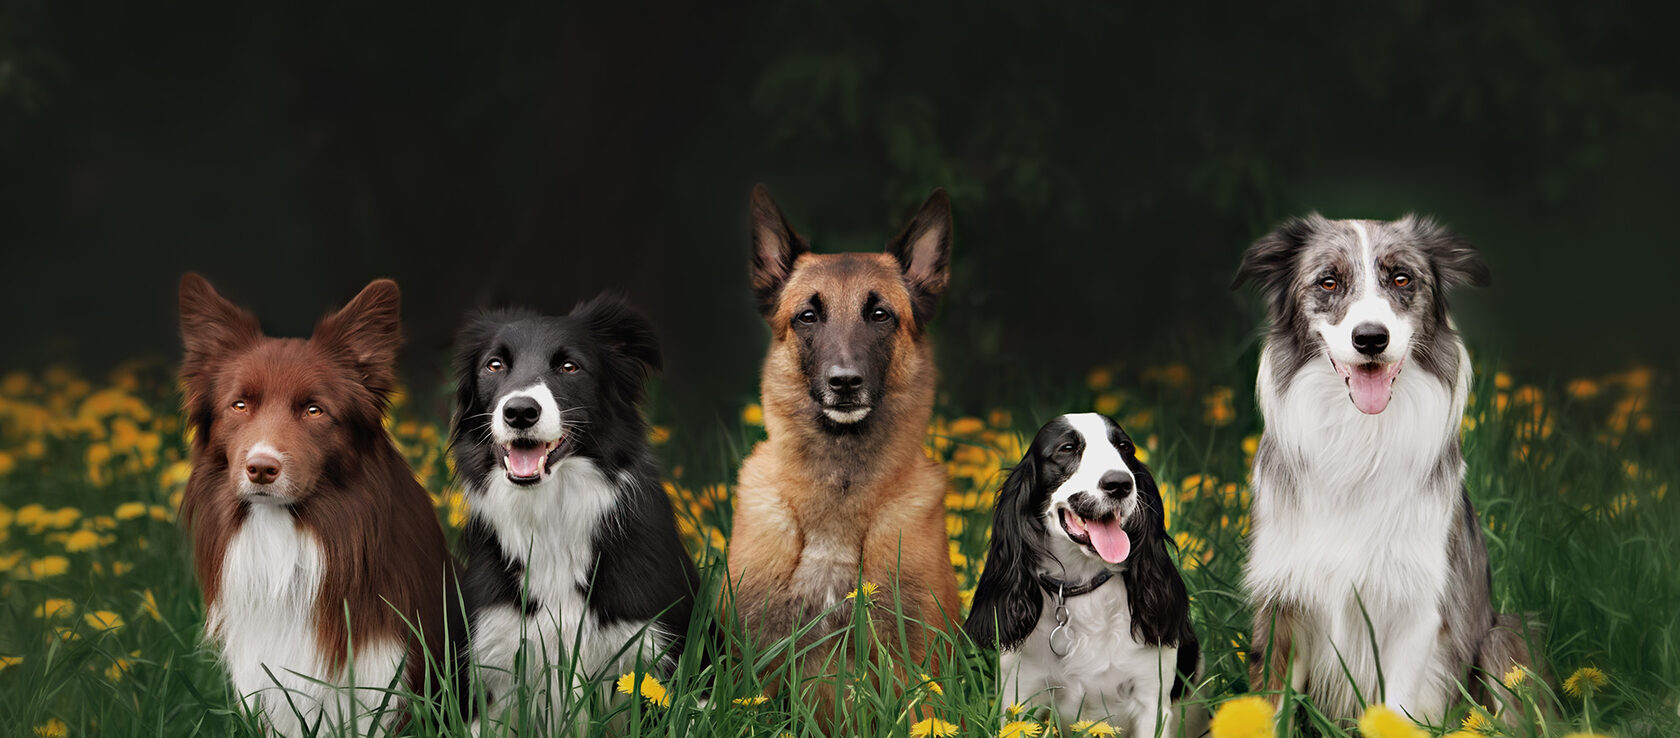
(101, 622)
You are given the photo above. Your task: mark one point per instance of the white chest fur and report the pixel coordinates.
(549, 528)
(1354, 503)
(264, 621)
(1106, 675)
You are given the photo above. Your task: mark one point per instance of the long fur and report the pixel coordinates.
(589, 556)
(1360, 514)
(1133, 649)
(294, 588)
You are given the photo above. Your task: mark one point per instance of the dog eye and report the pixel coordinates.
(239, 405)
(1328, 283)
(1066, 448)
(314, 410)
(569, 367)
(1125, 445)
(493, 365)
(808, 317)
(880, 315)
(1401, 280)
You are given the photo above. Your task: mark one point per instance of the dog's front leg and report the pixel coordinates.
(1411, 666)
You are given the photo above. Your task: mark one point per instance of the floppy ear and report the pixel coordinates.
(923, 251)
(1007, 601)
(368, 331)
(632, 346)
(212, 329)
(1160, 604)
(1456, 262)
(775, 248)
(1270, 261)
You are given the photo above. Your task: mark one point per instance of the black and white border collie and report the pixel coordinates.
(1359, 501)
(1079, 593)
(571, 548)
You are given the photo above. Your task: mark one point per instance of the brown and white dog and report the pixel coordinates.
(842, 484)
(318, 552)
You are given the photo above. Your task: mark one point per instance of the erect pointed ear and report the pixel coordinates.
(923, 251)
(1456, 261)
(368, 331)
(629, 338)
(1007, 600)
(211, 327)
(775, 248)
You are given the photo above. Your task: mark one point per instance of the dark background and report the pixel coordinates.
(1107, 162)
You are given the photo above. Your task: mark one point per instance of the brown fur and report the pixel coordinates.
(1269, 653)
(814, 506)
(384, 555)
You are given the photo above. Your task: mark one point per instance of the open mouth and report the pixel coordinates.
(1370, 385)
(530, 461)
(1104, 535)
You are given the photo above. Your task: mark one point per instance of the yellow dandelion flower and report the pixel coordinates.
(1584, 679)
(119, 568)
(7, 662)
(753, 414)
(651, 690)
(1000, 418)
(1217, 407)
(1583, 389)
(148, 605)
(65, 634)
(130, 510)
(868, 591)
(1463, 734)
(933, 686)
(658, 435)
(103, 620)
(1099, 379)
(1021, 729)
(1381, 722)
(1101, 729)
(932, 727)
(120, 666)
(82, 540)
(1477, 721)
(1514, 678)
(54, 608)
(7, 561)
(7, 463)
(48, 566)
(1244, 717)
(753, 701)
(1108, 403)
(53, 728)
(1585, 735)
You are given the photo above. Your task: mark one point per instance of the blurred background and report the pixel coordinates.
(1108, 162)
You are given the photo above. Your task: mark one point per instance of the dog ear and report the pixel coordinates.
(775, 248)
(1007, 600)
(1456, 261)
(1160, 603)
(211, 329)
(629, 338)
(923, 251)
(1270, 261)
(471, 417)
(368, 330)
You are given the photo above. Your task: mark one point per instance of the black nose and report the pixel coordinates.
(521, 412)
(1116, 483)
(1370, 339)
(844, 379)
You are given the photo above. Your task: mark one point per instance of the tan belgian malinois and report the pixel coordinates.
(842, 484)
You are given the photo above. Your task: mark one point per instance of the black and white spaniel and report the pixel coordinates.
(1079, 592)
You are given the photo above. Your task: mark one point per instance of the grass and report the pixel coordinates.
(101, 621)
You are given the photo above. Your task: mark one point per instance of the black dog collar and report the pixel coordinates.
(1059, 588)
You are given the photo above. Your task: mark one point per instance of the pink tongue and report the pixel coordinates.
(1110, 541)
(1370, 389)
(526, 462)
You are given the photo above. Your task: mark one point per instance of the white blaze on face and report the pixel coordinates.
(528, 458)
(1098, 459)
(1370, 379)
(276, 492)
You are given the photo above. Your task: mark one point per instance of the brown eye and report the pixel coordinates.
(493, 365)
(807, 317)
(314, 411)
(1401, 280)
(1066, 448)
(880, 315)
(239, 405)
(1328, 283)
(569, 367)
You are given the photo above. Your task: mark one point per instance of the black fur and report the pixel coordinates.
(641, 571)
